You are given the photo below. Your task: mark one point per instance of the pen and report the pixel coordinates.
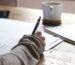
(36, 26)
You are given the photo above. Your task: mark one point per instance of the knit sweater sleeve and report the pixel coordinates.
(26, 52)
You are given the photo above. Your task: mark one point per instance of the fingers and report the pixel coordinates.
(39, 33)
(42, 38)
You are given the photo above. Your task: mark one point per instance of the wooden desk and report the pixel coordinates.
(30, 15)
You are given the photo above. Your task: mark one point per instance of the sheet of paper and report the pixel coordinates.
(51, 41)
(65, 32)
(11, 31)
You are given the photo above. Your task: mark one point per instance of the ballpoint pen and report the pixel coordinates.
(36, 26)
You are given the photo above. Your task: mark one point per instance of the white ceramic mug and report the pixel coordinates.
(52, 10)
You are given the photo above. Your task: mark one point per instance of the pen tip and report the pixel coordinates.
(39, 18)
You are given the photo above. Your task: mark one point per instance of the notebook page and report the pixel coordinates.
(10, 33)
(51, 41)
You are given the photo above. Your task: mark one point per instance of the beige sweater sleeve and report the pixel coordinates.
(26, 52)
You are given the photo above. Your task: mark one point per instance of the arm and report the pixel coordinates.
(27, 52)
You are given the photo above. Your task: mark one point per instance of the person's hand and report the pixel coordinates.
(41, 37)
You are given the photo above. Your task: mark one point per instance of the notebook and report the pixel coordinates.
(65, 32)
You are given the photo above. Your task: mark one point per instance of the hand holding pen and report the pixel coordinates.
(39, 34)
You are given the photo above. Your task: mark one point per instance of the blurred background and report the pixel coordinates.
(69, 5)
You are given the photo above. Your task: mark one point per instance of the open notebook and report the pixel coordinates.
(65, 32)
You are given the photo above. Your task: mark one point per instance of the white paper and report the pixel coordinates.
(51, 41)
(11, 31)
(66, 32)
